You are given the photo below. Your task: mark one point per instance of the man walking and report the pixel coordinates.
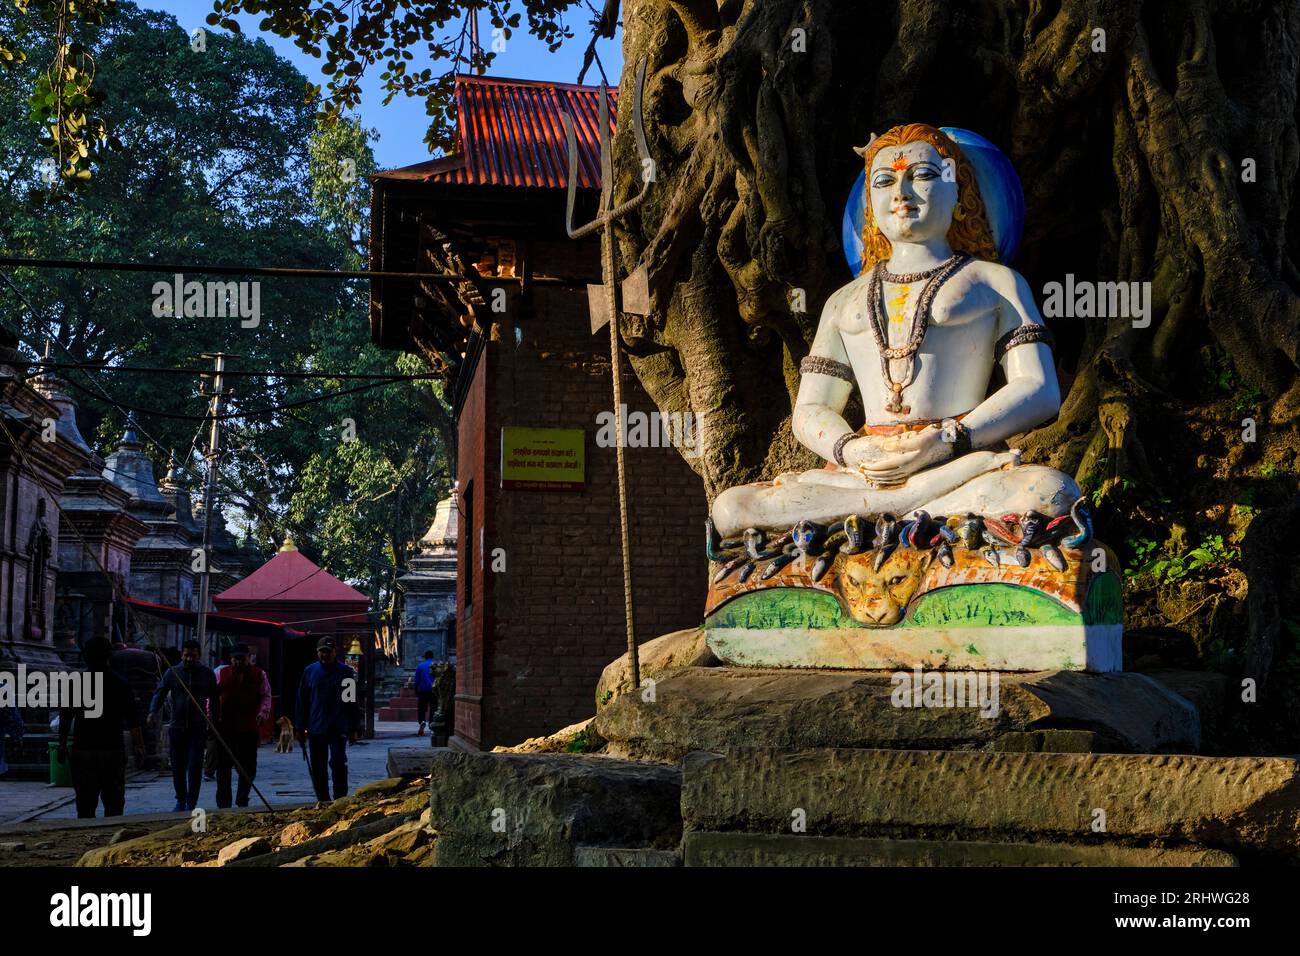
(11, 728)
(97, 759)
(189, 686)
(242, 703)
(327, 715)
(422, 680)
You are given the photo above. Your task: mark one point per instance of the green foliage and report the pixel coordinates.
(353, 36)
(605, 698)
(64, 100)
(1219, 656)
(1217, 370)
(223, 162)
(1211, 554)
(1143, 551)
(581, 743)
(1247, 400)
(340, 162)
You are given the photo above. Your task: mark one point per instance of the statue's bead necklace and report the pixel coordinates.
(876, 313)
(905, 278)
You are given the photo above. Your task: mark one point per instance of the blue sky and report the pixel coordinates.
(401, 124)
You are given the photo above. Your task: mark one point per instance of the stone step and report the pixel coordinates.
(725, 708)
(397, 696)
(771, 849)
(626, 857)
(1246, 806)
(411, 761)
(502, 809)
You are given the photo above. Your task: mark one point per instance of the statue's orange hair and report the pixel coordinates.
(969, 232)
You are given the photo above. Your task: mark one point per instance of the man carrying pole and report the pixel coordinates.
(190, 685)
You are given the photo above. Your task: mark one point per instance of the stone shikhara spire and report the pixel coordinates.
(130, 469)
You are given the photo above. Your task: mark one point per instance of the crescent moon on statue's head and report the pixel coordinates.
(862, 150)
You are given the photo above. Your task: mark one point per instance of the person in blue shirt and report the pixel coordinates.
(189, 686)
(327, 718)
(422, 681)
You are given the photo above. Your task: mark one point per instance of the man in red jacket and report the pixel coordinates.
(241, 704)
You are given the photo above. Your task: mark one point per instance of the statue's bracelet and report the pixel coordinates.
(839, 447)
(960, 436)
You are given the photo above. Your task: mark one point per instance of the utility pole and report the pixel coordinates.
(209, 493)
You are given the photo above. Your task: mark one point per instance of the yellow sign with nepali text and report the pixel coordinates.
(543, 459)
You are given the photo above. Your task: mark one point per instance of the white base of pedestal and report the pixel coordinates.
(1096, 648)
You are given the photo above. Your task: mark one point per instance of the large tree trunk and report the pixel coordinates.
(1132, 161)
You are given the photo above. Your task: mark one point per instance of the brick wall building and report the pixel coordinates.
(539, 584)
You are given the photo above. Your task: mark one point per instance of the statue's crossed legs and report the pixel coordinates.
(982, 482)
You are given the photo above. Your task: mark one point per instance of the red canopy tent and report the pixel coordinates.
(221, 623)
(294, 590)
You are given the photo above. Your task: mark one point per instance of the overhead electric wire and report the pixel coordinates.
(341, 376)
(247, 413)
(247, 501)
(285, 272)
(252, 504)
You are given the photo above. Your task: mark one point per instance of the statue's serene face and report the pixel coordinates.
(911, 199)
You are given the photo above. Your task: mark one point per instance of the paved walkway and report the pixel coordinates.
(282, 778)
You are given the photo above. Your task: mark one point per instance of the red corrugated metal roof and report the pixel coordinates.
(289, 577)
(511, 134)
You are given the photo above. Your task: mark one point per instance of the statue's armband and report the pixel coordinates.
(1023, 335)
(818, 365)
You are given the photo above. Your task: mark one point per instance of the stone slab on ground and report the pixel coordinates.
(617, 856)
(788, 849)
(242, 849)
(411, 761)
(1247, 806)
(722, 708)
(504, 809)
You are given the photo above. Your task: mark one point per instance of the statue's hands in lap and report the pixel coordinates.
(890, 460)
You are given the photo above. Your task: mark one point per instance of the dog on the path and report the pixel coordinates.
(284, 744)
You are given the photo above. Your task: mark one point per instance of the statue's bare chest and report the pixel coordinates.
(905, 310)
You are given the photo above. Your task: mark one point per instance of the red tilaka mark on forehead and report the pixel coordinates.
(900, 162)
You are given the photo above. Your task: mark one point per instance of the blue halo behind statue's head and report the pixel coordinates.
(1004, 199)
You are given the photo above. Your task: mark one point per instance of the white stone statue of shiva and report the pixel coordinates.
(918, 332)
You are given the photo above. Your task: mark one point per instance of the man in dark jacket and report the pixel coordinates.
(189, 686)
(327, 715)
(243, 702)
(422, 681)
(11, 728)
(97, 759)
